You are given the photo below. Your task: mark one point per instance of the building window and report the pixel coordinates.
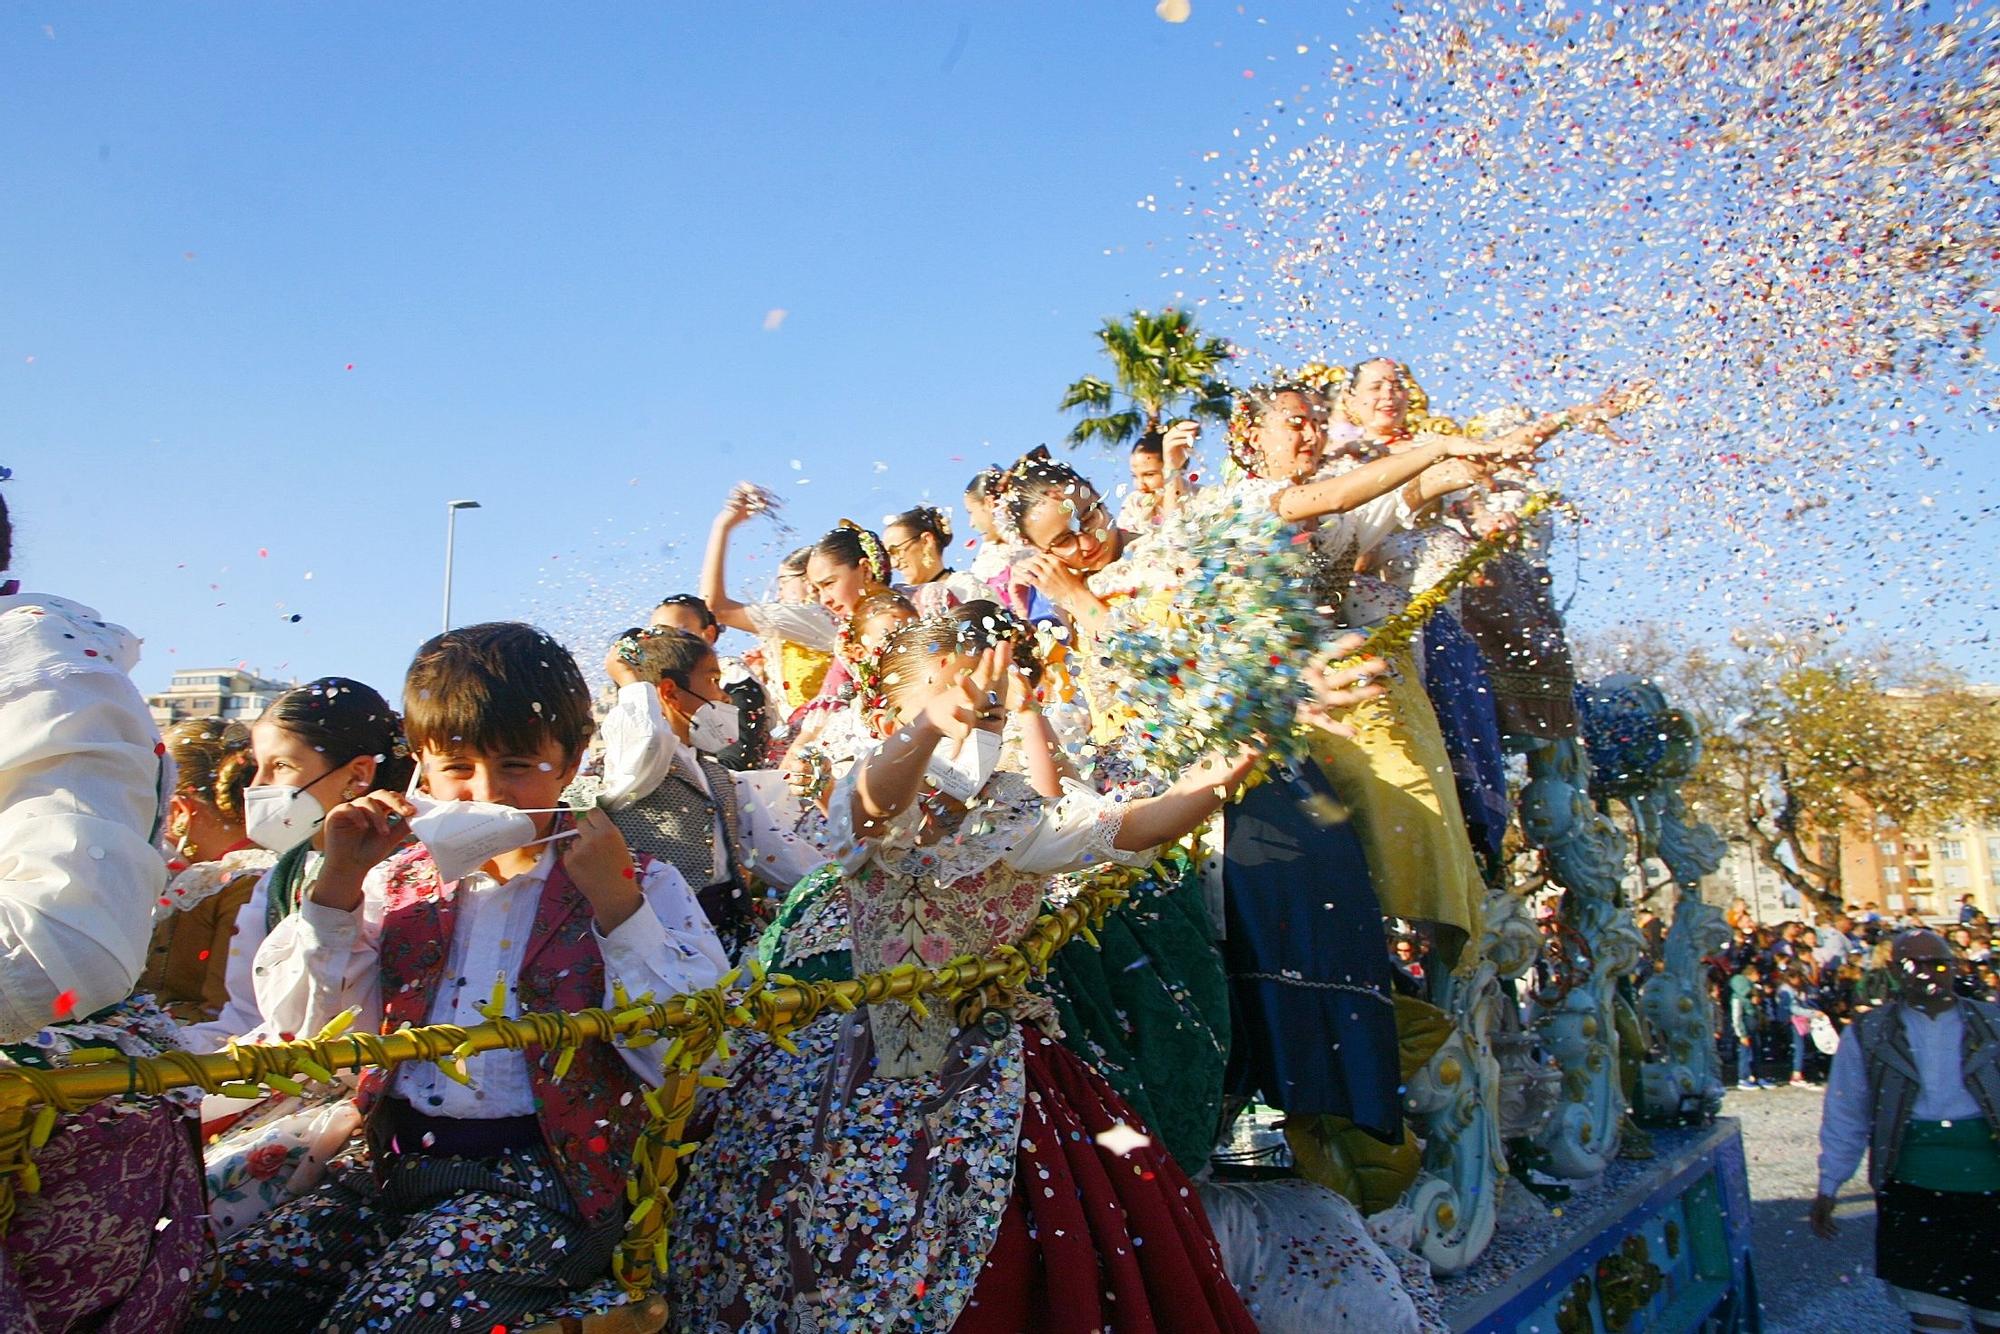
(1954, 877)
(1886, 849)
(1892, 875)
(1993, 848)
(1952, 849)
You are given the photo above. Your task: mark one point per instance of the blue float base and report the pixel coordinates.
(1669, 1253)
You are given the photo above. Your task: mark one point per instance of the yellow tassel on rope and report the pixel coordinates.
(45, 1125)
(339, 1024)
(285, 1085)
(496, 1004)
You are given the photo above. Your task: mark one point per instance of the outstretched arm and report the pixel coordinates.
(1351, 490)
(1182, 808)
(745, 499)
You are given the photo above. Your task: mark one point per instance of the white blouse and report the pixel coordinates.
(805, 623)
(83, 782)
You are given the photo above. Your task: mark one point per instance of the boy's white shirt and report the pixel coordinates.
(321, 961)
(640, 750)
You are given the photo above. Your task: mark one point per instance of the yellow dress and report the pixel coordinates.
(1395, 779)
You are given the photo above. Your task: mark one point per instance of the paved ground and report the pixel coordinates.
(1807, 1286)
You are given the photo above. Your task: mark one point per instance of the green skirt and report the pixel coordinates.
(1149, 1010)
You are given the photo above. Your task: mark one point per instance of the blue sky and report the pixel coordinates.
(276, 282)
(547, 244)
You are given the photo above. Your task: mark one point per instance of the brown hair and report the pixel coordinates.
(663, 653)
(501, 687)
(214, 763)
(341, 719)
(877, 605)
(972, 627)
(923, 519)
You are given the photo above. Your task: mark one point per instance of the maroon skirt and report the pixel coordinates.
(1093, 1240)
(116, 1240)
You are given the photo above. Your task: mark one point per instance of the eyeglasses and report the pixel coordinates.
(1070, 540)
(896, 549)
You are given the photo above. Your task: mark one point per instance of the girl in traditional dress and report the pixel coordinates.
(317, 745)
(220, 865)
(910, 1171)
(917, 541)
(992, 564)
(1507, 611)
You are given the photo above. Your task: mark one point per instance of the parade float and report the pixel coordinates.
(1528, 1077)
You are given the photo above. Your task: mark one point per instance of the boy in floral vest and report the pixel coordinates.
(489, 1201)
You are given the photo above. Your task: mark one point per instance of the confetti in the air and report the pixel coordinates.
(1786, 215)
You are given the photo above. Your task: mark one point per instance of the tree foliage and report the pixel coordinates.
(1803, 742)
(1159, 363)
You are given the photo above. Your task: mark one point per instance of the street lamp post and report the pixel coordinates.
(451, 509)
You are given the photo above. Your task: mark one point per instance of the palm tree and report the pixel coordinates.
(1158, 362)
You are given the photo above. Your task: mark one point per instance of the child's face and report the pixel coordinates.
(1148, 473)
(531, 781)
(980, 510)
(838, 587)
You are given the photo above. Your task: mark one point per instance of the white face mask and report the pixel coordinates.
(281, 818)
(961, 776)
(715, 726)
(463, 836)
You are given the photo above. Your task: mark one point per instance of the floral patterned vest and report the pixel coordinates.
(587, 1136)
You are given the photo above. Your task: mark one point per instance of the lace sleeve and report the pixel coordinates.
(1078, 830)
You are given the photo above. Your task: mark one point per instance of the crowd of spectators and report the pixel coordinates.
(1772, 982)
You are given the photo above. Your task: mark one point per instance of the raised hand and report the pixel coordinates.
(1044, 572)
(355, 836)
(1615, 402)
(1338, 688)
(746, 501)
(972, 701)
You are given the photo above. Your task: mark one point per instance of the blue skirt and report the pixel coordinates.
(1461, 692)
(1313, 1027)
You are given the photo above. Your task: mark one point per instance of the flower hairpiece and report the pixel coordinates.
(875, 561)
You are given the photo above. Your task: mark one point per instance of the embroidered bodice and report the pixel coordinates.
(925, 895)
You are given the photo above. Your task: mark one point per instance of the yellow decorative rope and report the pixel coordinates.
(695, 1025)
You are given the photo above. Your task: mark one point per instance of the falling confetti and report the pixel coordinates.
(1786, 215)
